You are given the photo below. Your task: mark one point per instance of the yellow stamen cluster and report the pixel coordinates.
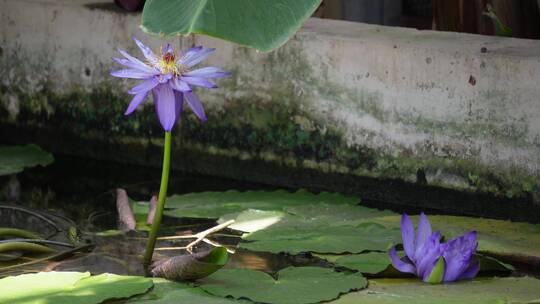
(167, 67)
(167, 64)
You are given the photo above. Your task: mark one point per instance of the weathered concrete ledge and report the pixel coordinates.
(339, 102)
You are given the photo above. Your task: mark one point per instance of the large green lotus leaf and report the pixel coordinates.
(479, 291)
(69, 287)
(322, 239)
(294, 285)
(13, 159)
(217, 204)
(502, 238)
(260, 24)
(168, 292)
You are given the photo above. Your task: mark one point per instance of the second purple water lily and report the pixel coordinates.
(431, 260)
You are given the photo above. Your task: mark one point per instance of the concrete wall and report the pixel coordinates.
(340, 101)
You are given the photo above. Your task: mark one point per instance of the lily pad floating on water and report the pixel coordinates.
(213, 205)
(369, 263)
(336, 215)
(294, 285)
(70, 287)
(479, 291)
(13, 159)
(322, 239)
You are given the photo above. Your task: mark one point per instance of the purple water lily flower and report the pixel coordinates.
(169, 79)
(424, 251)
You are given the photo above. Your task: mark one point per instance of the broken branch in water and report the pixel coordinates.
(199, 237)
(207, 241)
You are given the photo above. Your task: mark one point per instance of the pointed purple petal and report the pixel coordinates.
(137, 62)
(144, 86)
(164, 100)
(179, 85)
(399, 264)
(407, 234)
(422, 234)
(187, 54)
(135, 102)
(431, 252)
(471, 272)
(208, 72)
(200, 82)
(196, 57)
(131, 73)
(147, 52)
(132, 65)
(195, 105)
(458, 255)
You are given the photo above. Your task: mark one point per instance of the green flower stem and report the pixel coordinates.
(161, 201)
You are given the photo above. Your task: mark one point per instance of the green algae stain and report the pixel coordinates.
(84, 112)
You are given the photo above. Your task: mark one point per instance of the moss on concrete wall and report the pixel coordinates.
(251, 129)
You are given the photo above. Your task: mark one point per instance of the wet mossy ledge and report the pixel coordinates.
(242, 132)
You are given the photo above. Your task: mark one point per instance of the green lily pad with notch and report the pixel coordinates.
(261, 24)
(13, 159)
(504, 239)
(70, 287)
(293, 285)
(478, 291)
(213, 205)
(322, 239)
(169, 292)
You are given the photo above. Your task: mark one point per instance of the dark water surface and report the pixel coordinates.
(81, 193)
